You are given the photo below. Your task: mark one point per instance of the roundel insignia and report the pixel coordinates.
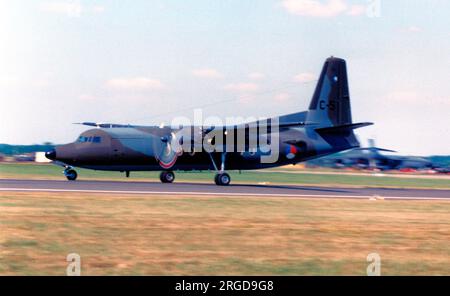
(291, 152)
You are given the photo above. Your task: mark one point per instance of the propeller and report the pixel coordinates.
(167, 150)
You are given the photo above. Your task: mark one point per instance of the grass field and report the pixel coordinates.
(154, 235)
(186, 235)
(44, 171)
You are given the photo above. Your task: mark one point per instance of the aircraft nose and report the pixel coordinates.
(51, 154)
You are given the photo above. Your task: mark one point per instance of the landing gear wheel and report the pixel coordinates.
(216, 179)
(222, 179)
(71, 174)
(167, 177)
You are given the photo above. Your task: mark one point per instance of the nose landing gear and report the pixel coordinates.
(70, 174)
(221, 178)
(167, 177)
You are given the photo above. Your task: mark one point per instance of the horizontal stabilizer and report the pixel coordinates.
(294, 124)
(343, 128)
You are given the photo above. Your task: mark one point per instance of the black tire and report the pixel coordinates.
(222, 179)
(71, 175)
(167, 177)
(216, 179)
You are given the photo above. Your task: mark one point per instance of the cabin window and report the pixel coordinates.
(83, 139)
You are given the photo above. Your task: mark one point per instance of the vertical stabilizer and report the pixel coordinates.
(330, 105)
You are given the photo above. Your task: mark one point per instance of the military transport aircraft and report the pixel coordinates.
(371, 158)
(324, 129)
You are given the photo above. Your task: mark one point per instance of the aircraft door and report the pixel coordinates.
(117, 152)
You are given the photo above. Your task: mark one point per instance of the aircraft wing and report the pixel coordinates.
(375, 149)
(104, 125)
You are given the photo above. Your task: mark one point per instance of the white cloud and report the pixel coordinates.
(414, 29)
(136, 83)
(87, 97)
(412, 97)
(9, 81)
(69, 8)
(98, 8)
(403, 96)
(315, 8)
(323, 8)
(246, 98)
(242, 87)
(282, 97)
(207, 73)
(356, 10)
(440, 100)
(305, 77)
(40, 83)
(256, 76)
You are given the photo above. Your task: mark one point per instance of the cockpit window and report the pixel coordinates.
(82, 139)
(95, 139)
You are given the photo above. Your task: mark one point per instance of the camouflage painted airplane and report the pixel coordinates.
(371, 158)
(324, 129)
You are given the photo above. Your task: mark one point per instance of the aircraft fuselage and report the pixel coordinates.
(325, 128)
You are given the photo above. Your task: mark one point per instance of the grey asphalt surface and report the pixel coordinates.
(200, 189)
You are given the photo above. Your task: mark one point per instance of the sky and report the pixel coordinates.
(147, 61)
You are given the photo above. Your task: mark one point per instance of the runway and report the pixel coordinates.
(201, 189)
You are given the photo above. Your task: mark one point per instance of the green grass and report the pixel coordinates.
(20, 243)
(160, 235)
(44, 171)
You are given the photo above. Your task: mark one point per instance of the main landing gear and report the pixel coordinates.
(167, 177)
(221, 178)
(70, 174)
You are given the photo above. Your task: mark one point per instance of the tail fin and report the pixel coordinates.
(330, 105)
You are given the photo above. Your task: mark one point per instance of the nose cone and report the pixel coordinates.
(51, 154)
